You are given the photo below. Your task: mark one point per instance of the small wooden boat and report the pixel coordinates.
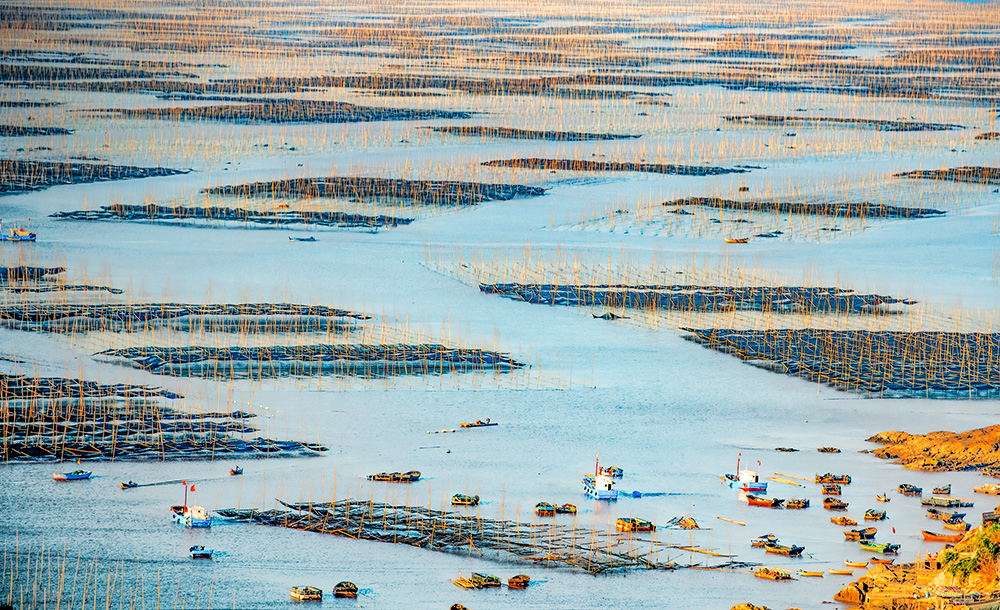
(521, 581)
(631, 524)
(763, 540)
(345, 589)
(772, 573)
(200, 552)
(235, 471)
(479, 423)
(882, 560)
(566, 509)
(834, 504)
(779, 549)
(845, 521)
(737, 240)
(614, 472)
(935, 537)
(831, 489)
(828, 450)
(882, 497)
(464, 500)
(955, 524)
(856, 564)
(818, 574)
(867, 533)
(76, 475)
(946, 502)
(989, 489)
(910, 490)
(874, 515)
(129, 485)
(310, 238)
(843, 479)
(768, 502)
(943, 490)
(484, 581)
(307, 594)
(457, 607)
(797, 503)
(464, 583)
(396, 477)
(934, 513)
(842, 572)
(544, 509)
(880, 547)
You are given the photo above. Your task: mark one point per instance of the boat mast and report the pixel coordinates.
(738, 456)
(597, 469)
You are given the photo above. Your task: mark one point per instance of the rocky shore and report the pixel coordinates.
(941, 451)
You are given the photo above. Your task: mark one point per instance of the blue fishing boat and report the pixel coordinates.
(76, 475)
(200, 552)
(15, 234)
(310, 238)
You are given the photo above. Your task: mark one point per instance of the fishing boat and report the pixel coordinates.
(520, 581)
(817, 574)
(464, 583)
(753, 500)
(991, 489)
(479, 423)
(779, 549)
(615, 472)
(882, 560)
(797, 503)
(880, 547)
(882, 497)
(946, 502)
(933, 513)
(842, 572)
(191, 516)
(955, 524)
(874, 515)
(566, 509)
(845, 521)
(831, 489)
(307, 594)
(944, 490)
(763, 540)
(856, 564)
(15, 234)
(76, 475)
(935, 537)
(310, 238)
(396, 477)
(200, 552)
(345, 589)
(129, 485)
(464, 500)
(772, 573)
(631, 524)
(599, 485)
(867, 533)
(544, 509)
(843, 479)
(834, 504)
(737, 240)
(235, 471)
(745, 479)
(484, 581)
(910, 490)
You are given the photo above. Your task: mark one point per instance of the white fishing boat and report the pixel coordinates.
(191, 516)
(599, 485)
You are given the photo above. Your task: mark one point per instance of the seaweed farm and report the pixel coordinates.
(570, 277)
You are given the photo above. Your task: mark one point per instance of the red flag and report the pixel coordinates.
(184, 482)
(192, 488)
(893, 530)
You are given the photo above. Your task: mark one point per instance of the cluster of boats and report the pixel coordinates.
(488, 581)
(545, 509)
(314, 594)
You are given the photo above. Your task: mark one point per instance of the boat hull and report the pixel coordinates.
(608, 495)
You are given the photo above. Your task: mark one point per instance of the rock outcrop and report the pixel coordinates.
(941, 451)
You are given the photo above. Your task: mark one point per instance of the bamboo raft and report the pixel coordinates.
(452, 532)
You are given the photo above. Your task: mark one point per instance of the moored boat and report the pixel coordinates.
(762, 540)
(191, 516)
(991, 489)
(772, 573)
(753, 500)
(737, 240)
(631, 524)
(933, 513)
(566, 509)
(882, 497)
(235, 471)
(882, 560)
(944, 490)
(874, 515)
(834, 504)
(816, 574)
(200, 552)
(599, 485)
(946, 502)
(910, 490)
(935, 537)
(17, 234)
(831, 489)
(745, 479)
(856, 564)
(479, 423)
(76, 475)
(780, 549)
(129, 485)
(310, 238)
(841, 572)
(544, 509)
(521, 581)
(845, 521)
(843, 479)
(955, 524)
(484, 581)
(396, 477)
(867, 533)
(345, 589)
(464, 500)
(307, 594)
(614, 472)
(880, 547)
(797, 503)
